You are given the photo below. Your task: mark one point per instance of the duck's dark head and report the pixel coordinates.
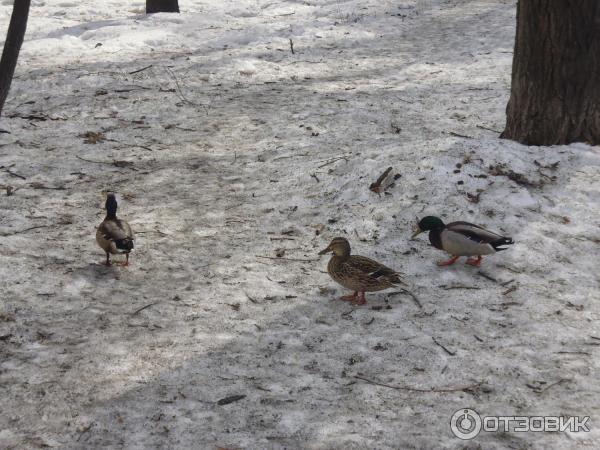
(111, 205)
(428, 223)
(339, 246)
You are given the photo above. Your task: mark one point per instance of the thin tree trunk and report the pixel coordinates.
(555, 92)
(156, 6)
(12, 46)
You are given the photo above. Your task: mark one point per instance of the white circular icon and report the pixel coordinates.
(465, 424)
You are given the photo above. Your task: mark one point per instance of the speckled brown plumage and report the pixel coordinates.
(358, 273)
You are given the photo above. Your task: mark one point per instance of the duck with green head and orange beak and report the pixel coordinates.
(461, 239)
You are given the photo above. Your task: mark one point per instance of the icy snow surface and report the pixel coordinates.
(226, 148)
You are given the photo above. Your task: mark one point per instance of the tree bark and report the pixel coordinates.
(12, 46)
(156, 6)
(555, 92)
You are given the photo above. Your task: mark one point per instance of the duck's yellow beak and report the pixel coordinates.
(417, 232)
(325, 250)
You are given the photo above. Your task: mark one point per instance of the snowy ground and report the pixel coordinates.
(226, 148)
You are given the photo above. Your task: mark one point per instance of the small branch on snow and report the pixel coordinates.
(458, 286)
(292, 46)
(334, 159)
(486, 276)
(410, 294)
(489, 129)
(539, 390)
(451, 353)
(413, 389)
(509, 290)
(230, 399)
(141, 70)
(253, 300)
(13, 174)
(180, 93)
(143, 308)
(286, 259)
(114, 162)
(452, 133)
(25, 230)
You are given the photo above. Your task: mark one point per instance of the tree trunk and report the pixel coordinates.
(555, 92)
(12, 46)
(156, 6)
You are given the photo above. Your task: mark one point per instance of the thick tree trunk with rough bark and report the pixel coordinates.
(156, 6)
(555, 93)
(12, 47)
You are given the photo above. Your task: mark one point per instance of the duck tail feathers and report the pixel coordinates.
(126, 245)
(395, 279)
(502, 243)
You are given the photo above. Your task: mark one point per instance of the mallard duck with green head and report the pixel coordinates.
(461, 239)
(114, 235)
(357, 273)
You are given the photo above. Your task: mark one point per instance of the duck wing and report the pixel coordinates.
(474, 239)
(372, 270)
(117, 232)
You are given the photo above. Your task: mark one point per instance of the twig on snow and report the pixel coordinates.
(410, 294)
(25, 230)
(286, 259)
(292, 46)
(452, 133)
(489, 129)
(230, 399)
(114, 162)
(486, 276)
(458, 286)
(509, 290)
(11, 173)
(180, 93)
(334, 159)
(539, 390)
(143, 308)
(451, 353)
(413, 389)
(141, 70)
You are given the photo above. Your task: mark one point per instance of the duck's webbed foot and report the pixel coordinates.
(474, 262)
(349, 298)
(449, 262)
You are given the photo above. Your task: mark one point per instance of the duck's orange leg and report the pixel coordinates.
(126, 263)
(449, 262)
(474, 262)
(361, 299)
(349, 298)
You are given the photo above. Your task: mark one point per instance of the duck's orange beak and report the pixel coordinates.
(417, 232)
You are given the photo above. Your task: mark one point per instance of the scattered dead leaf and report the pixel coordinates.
(93, 137)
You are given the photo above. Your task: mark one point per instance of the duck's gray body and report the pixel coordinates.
(467, 239)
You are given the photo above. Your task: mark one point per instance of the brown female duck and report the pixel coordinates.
(357, 273)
